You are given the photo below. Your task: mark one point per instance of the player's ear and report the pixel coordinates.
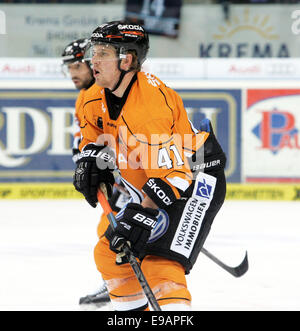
(127, 62)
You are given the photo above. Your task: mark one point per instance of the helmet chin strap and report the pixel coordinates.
(122, 75)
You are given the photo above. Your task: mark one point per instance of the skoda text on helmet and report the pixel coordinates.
(124, 37)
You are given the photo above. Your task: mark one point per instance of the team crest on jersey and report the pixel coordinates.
(161, 227)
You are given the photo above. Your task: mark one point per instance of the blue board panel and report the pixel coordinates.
(36, 134)
(36, 129)
(223, 108)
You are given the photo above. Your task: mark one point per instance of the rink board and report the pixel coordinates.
(11, 191)
(36, 135)
(271, 131)
(255, 119)
(37, 127)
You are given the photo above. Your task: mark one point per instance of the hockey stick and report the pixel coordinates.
(131, 258)
(237, 271)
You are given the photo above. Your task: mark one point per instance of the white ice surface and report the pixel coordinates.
(46, 256)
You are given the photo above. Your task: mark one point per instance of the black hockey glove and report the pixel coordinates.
(134, 227)
(95, 166)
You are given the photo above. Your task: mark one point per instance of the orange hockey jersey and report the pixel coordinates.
(152, 135)
(83, 94)
(79, 112)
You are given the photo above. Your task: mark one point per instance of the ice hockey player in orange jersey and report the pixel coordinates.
(173, 172)
(79, 70)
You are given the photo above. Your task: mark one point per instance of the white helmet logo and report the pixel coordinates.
(131, 27)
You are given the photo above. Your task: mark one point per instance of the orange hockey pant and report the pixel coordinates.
(165, 277)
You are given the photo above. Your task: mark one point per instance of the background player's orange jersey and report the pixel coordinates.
(80, 101)
(79, 111)
(151, 136)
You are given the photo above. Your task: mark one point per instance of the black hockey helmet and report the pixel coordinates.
(124, 36)
(74, 52)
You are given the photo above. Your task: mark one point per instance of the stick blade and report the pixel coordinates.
(241, 269)
(237, 271)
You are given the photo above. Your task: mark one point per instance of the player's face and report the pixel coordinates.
(105, 65)
(80, 74)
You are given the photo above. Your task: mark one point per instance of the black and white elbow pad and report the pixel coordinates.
(159, 192)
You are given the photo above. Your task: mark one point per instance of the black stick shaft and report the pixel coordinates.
(131, 258)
